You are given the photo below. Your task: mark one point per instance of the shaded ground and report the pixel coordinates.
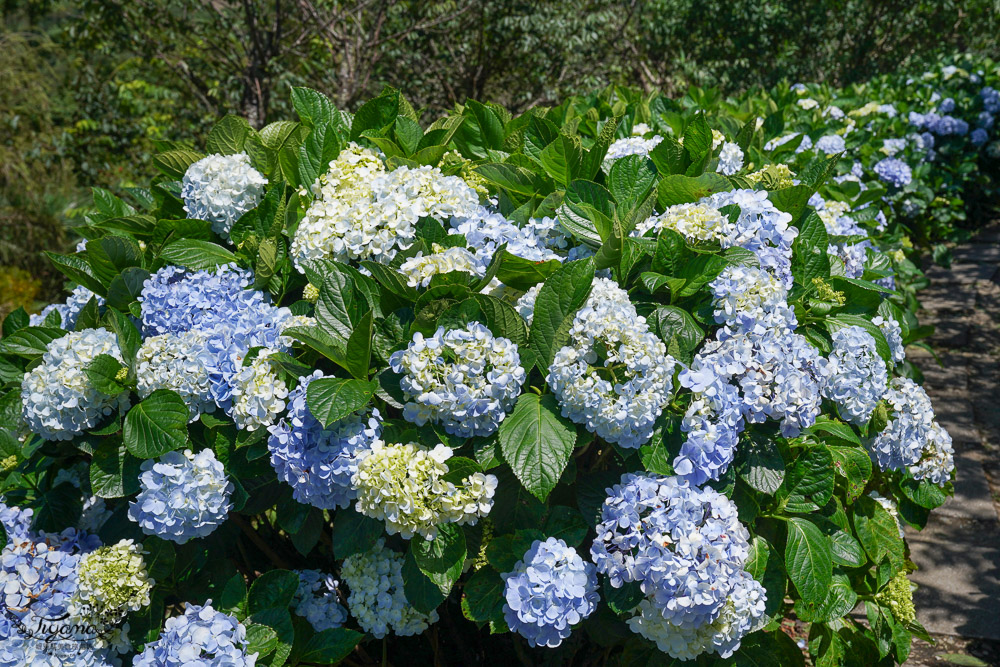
(958, 599)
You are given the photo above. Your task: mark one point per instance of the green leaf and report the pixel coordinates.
(808, 560)
(175, 163)
(103, 373)
(834, 427)
(536, 440)
(273, 589)
(764, 469)
(313, 107)
(567, 524)
(78, 270)
(483, 594)
(442, 558)
(196, 255)
(677, 189)
(631, 179)
(354, 533)
(877, 531)
(671, 322)
(809, 482)
(624, 598)
(59, 507)
(229, 135)
(357, 357)
(560, 297)
(563, 158)
(30, 342)
(330, 646)
(926, 493)
(261, 639)
(157, 425)
(333, 399)
(522, 274)
(698, 138)
(501, 319)
(424, 594)
(340, 304)
(855, 465)
(587, 211)
(809, 251)
(234, 595)
(114, 472)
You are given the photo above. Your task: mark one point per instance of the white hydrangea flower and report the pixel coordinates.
(699, 222)
(220, 189)
(937, 460)
(377, 600)
(640, 129)
(347, 181)
(526, 304)
(717, 139)
(403, 485)
(420, 269)
(629, 146)
(807, 103)
(176, 362)
(615, 377)
(258, 393)
(376, 220)
(730, 159)
(111, 582)
(58, 400)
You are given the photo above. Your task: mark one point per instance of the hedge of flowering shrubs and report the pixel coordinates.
(621, 381)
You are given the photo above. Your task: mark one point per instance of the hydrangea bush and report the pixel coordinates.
(620, 381)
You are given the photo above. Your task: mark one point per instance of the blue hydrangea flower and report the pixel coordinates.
(174, 300)
(683, 544)
(937, 460)
(58, 400)
(858, 376)
(316, 600)
(894, 171)
(464, 379)
(760, 228)
(68, 311)
(549, 591)
(831, 144)
(182, 496)
(485, 231)
(902, 441)
(893, 335)
(202, 636)
(16, 521)
(318, 463)
(979, 137)
(991, 99)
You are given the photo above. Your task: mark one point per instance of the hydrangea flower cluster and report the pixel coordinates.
(911, 438)
(68, 311)
(316, 600)
(838, 223)
(831, 144)
(364, 212)
(377, 600)
(202, 636)
(893, 171)
(485, 231)
(614, 376)
(112, 581)
(404, 486)
(893, 335)
(58, 400)
(697, 222)
(421, 268)
(549, 591)
(16, 522)
(257, 393)
(220, 189)
(858, 376)
(174, 300)
(182, 496)
(176, 362)
(730, 159)
(636, 145)
(319, 463)
(686, 548)
(752, 300)
(760, 228)
(464, 379)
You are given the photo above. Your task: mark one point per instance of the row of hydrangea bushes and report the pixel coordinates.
(620, 381)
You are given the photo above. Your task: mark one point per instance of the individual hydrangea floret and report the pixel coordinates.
(730, 159)
(893, 171)
(202, 636)
(58, 400)
(858, 377)
(317, 462)
(68, 311)
(176, 362)
(112, 581)
(464, 379)
(404, 486)
(548, 592)
(614, 376)
(182, 496)
(419, 269)
(316, 600)
(377, 600)
(220, 189)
